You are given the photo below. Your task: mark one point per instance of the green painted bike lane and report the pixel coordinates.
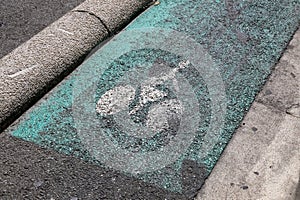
(201, 63)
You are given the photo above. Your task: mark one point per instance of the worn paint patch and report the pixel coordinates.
(239, 40)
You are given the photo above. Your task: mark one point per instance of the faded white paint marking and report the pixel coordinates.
(68, 32)
(24, 71)
(162, 114)
(115, 100)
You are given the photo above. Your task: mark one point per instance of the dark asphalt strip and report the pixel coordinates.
(31, 172)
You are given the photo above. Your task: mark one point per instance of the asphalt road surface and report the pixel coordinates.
(21, 19)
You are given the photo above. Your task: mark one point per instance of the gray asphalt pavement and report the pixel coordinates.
(31, 172)
(21, 19)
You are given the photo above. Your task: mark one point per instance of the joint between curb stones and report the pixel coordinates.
(94, 15)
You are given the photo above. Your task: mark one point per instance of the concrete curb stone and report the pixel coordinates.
(32, 69)
(113, 13)
(20, 20)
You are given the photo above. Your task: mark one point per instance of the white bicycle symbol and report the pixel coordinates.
(159, 116)
(116, 100)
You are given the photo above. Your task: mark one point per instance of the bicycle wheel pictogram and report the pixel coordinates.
(143, 116)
